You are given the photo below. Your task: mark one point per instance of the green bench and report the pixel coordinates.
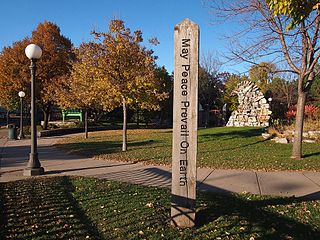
(72, 114)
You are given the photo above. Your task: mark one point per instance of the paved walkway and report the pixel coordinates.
(14, 157)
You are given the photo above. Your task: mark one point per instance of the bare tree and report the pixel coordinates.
(210, 62)
(264, 36)
(210, 86)
(284, 89)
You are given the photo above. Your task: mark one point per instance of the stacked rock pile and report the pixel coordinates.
(253, 109)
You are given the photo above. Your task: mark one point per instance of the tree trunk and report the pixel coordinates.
(45, 120)
(137, 118)
(8, 116)
(86, 123)
(298, 132)
(124, 130)
(46, 113)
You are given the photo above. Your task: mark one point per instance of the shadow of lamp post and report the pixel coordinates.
(34, 168)
(21, 95)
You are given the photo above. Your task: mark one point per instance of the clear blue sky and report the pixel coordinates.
(76, 19)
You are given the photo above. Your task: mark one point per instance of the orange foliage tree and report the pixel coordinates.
(81, 89)
(54, 65)
(127, 72)
(14, 74)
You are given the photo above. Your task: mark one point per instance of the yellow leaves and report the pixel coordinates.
(117, 68)
(125, 69)
(297, 10)
(116, 25)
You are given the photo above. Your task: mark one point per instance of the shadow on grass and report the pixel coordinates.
(3, 214)
(237, 147)
(36, 208)
(88, 168)
(253, 217)
(68, 190)
(311, 154)
(238, 133)
(92, 148)
(219, 210)
(246, 133)
(52, 205)
(221, 205)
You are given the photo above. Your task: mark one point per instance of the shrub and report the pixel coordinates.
(310, 111)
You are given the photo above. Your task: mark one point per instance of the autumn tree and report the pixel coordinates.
(261, 74)
(295, 49)
(231, 81)
(52, 68)
(127, 72)
(166, 85)
(164, 113)
(80, 89)
(298, 10)
(14, 74)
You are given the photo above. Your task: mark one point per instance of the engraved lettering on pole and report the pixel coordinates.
(185, 119)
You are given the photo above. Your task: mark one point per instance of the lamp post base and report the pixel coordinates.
(34, 167)
(33, 171)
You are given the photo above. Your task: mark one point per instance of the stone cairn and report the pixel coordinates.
(253, 109)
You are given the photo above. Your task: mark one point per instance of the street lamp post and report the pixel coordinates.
(21, 95)
(270, 102)
(34, 168)
(271, 119)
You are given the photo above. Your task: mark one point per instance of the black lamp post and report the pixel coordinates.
(270, 104)
(21, 95)
(34, 168)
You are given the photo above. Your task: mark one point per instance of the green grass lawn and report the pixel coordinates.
(88, 208)
(225, 148)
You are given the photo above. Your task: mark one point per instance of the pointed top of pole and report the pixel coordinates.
(186, 22)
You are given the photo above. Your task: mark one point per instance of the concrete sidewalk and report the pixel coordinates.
(14, 157)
